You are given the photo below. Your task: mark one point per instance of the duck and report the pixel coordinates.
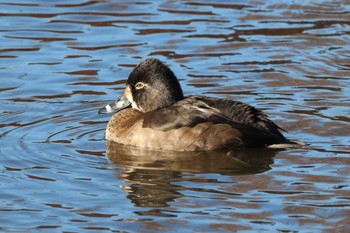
(153, 113)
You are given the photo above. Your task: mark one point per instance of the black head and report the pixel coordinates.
(152, 85)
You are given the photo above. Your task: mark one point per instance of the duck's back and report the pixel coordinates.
(243, 113)
(254, 126)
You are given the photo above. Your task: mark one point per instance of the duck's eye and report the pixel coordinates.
(139, 85)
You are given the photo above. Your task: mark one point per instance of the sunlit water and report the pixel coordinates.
(62, 60)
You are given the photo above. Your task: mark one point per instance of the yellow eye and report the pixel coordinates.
(139, 85)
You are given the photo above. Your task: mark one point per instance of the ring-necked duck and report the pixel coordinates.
(153, 113)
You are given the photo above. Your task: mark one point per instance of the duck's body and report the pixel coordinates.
(161, 118)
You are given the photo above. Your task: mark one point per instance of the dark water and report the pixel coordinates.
(62, 60)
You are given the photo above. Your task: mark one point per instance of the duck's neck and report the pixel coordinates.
(122, 122)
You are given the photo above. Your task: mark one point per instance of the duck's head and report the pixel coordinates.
(150, 86)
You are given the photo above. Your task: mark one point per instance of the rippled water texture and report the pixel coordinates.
(61, 60)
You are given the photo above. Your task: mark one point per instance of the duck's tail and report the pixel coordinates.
(288, 144)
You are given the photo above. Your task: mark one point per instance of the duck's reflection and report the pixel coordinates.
(153, 175)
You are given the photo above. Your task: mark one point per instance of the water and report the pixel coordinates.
(63, 60)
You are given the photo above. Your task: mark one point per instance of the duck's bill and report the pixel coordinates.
(116, 106)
